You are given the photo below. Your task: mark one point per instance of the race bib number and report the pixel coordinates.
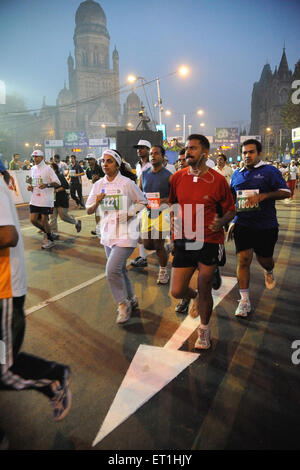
(153, 200)
(36, 181)
(112, 202)
(72, 172)
(242, 202)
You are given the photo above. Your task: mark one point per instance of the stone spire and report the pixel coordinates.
(283, 69)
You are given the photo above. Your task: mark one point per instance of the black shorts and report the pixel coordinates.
(261, 241)
(40, 210)
(209, 254)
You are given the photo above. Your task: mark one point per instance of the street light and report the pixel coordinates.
(183, 71)
(268, 134)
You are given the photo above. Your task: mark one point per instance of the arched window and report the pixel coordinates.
(283, 96)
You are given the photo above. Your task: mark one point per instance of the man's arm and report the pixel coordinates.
(8, 236)
(276, 195)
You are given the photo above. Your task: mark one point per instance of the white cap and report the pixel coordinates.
(90, 156)
(37, 153)
(144, 143)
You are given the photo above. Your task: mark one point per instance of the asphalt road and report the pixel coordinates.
(243, 393)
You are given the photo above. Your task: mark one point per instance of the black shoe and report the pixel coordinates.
(54, 236)
(183, 306)
(4, 444)
(139, 262)
(78, 225)
(217, 280)
(93, 232)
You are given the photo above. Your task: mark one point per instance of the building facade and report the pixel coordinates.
(269, 95)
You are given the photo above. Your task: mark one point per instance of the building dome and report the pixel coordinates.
(90, 12)
(64, 97)
(133, 100)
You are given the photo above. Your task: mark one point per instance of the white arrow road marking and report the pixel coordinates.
(189, 324)
(152, 368)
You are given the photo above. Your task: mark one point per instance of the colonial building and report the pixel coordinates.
(269, 94)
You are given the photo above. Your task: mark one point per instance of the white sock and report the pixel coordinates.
(163, 268)
(142, 251)
(204, 327)
(244, 293)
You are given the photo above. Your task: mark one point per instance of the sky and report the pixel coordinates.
(225, 44)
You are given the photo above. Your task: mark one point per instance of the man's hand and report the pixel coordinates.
(216, 225)
(95, 178)
(29, 188)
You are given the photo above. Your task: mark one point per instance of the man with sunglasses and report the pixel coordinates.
(256, 187)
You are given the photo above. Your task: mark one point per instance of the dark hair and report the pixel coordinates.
(182, 152)
(123, 170)
(54, 166)
(223, 156)
(162, 150)
(74, 156)
(254, 142)
(56, 156)
(202, 139)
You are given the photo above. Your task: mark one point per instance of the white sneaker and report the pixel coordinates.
(194, 307)
(134, 302)
(124, 312)
(243, 309)
(47, 245)
(270, 281)
(163, 277)
(203, 340)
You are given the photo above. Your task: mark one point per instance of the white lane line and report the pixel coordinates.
(60, 296)
(64, 294)
(35, 228)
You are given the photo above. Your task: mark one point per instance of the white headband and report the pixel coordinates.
(113, 154)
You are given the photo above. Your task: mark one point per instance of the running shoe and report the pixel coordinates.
(47, 245)
(134, 302)
(183, 306)
(78, 225)
(217, 280)
(124, 312)
(243, 309)
(61, 402)
(163, 277)
(139, 262)
(203, 340)
(54, 236)
(270, 281)
(194, 307)
(93, 232)
(4, 444)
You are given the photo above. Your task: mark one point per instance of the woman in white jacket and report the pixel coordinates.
(117, 199)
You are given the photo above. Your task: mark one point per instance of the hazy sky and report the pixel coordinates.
(224, 42)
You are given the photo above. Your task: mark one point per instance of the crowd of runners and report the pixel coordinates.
(183, 213)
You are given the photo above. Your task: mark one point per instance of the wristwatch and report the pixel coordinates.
(49, 185)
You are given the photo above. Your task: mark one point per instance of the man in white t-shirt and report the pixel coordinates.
(19, 370)
(42, 184)
(223, 168)
(143, 149)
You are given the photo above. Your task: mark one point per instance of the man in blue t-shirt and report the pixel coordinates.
(256, 187)
(155, 183)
